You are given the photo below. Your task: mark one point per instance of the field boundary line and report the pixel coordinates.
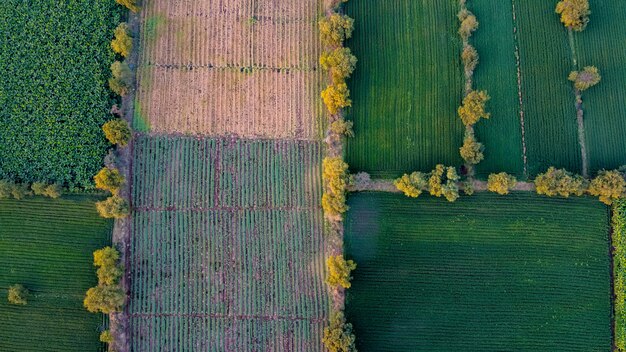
(385, 185)
(223, 137)
(519, 88)
(578, 100)
(235, 67)
(145, 209)
(230, 316)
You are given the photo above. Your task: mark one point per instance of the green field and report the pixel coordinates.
(47, 246)
(55, 58)
(497, 73)
(406, 87)
(486, 273)
(603, 45)
(227, 245)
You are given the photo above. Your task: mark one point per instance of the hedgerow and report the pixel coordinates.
(442, 181)
(619, 272)
(53, 91)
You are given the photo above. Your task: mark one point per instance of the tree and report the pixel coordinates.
(560, 182)
(335, 28)
(113, 207)
(121, 80)
(106, 337)
(18, 295)
(342, 127)
(109, 180)
(472, 150)
(123, 42)
(574, 13)
(473, 108)
(339, 271)
(585, 79)
(412, 185)
(117, 131)
(336, 179)
(340, 62)
(442, 182)
(46, 190)
(501, 183)
(608, 186)
(5, 189)
(336, 97)
(20, 190)
(469, 24)
(338, 336)
(109, 271)
(130, 4)
(469, 56)
(104, 298)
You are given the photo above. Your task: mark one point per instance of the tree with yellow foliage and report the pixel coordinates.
(123, 42)
(608, 186)
(109, 180)
(473, 108)
(501, 183)
(336, 97)
(412, 185)
(472, 150)
(469, 23)
(585, 79)
(339, 271)
(336, 179)
(130, 4)
(114, 207)
(338, 336)
(574, 13)
(334, 29)
(560, 182)
(340, 62)
(117, 131)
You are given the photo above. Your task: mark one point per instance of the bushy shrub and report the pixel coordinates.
(113, 207)
(335, 28)
(20, 190)
(560, 182)
(443, 182)
(336, 97)
(46, 190)
(338, 336)
(130, 4)
(472, 150)
(117, 131)
(123, 42)
(342, 127)
(336, 179)
(121, 80)
(469, 24)
(585, 79)
(574, 13)
(109, 180)
(412, 185)
(106, 336)
(339, 271)
(18, 295)
(339, 62)
(608, 186)
(473, 108)
(104, 298)
(501, 183)
(469, 56)
(5, 189)
(468, 188)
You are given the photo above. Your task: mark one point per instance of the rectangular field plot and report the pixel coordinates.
(221, 68)
(486, 273)
(406, 87)
(497, 74)
(227, 249)
(603, 45)
(47, 245)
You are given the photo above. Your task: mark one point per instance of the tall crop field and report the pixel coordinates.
(47, 246)
(406, 87)
(54, 59)
(227, 249)
(486, 273)
(497, 73)
(603, 45)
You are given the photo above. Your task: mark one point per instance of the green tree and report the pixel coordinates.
(339, 62)
(560, 182)
(585, 79)
(104, 298)
(109, 180)
(117, 131)
(130, 4)
(335, 28)
(18, 295)
(339, 271)
(121, 80)
(113, 207)
(574, 13)
(473, 108)
(123, 42)
(501, 183)
(472, 150)
(608, 186)
(338, 336)
(336, 97)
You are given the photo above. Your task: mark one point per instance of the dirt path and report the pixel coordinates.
(579, 110)
(519, 89)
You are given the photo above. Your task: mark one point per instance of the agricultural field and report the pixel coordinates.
(47, 246)
(486, 273)
(406, 87)
(227, 245)
(54, 98)
(246, 68)
(603, 44)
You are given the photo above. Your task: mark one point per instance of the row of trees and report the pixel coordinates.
(10, 189)
(440, 182)
(108, 296)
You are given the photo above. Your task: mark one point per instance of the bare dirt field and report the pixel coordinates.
(242, 67)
